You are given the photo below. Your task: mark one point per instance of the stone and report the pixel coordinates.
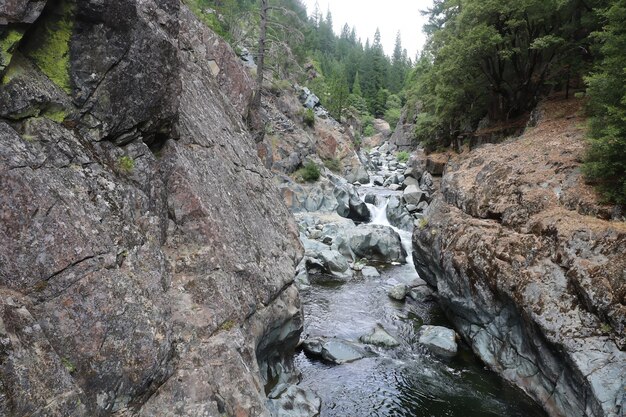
(395, 187)
(413, 195)
(378, 336)
(373, 242)
(439, 340)
(350, 204)
(427, 183)
(340, 352)
(335, 264)
(333, 350)
(398, 215)
(370, 272)
(410, 181)
(398, 292)
(295, 401)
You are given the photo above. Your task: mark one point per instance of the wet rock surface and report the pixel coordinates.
(439, 340)
(530, 271)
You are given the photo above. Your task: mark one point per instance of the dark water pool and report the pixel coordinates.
(404, 381)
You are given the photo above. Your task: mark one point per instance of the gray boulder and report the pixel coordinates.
(410, 181)
(335, 264)
(293, 401)
(398, 215)
(379, 337)
(427, 183)
(370, 272)
(398, 292)
(439, 340)
(374, 242)
(413, 195)
(350, 204)
(333, 350)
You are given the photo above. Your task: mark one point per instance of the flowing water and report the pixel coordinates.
(406, 380)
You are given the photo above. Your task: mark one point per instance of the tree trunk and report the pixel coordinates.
(256, 104)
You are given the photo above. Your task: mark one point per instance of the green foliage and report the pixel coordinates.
(280, 86)
(369, 131)
(49, 45)
(606, 160)
(126, 164)
(309, 173)
(494, 58)
(69, 366)
(394, 110)
(333, 164)
(402, 156)
(422, 223)
(309, 117)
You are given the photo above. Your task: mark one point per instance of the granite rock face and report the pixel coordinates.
(530, 270)
(136, 275)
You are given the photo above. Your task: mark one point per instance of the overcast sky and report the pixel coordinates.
(390, 16)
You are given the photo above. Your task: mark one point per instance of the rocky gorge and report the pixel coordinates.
(157, 260)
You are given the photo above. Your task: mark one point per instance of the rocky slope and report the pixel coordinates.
(147, 259)
(531, 268)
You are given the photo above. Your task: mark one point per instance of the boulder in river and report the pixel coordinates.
(439, 340)
(413, 195)
(370, 272)
(398, 215)
(379, 337)
(398, 292)
(350, 204)
(373, 242)
(333, 350)
(294, 401)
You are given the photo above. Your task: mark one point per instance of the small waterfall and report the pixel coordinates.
(379, 216)
(379, 213)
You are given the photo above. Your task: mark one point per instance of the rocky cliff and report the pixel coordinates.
(147, 260)
(531, 268)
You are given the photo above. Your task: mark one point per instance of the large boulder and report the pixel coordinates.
(333, 350)
(294, 401)
(25, 11)
(413, 195)
(439, 340)
(373, 242)
(350, 204)
(378, 336)
(398, 215)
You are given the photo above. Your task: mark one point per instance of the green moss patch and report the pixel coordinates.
(9, 41)
(49, 45)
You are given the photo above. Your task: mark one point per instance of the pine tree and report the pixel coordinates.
(606, 160)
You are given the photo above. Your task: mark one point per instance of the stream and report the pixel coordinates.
(406, 380)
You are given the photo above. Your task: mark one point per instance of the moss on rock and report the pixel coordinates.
(8, 43)
(49, 45)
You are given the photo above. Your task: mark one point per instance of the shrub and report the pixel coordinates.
(402, 156)
(309, 118)
(369, 131)
(333, 164)
(309, 173)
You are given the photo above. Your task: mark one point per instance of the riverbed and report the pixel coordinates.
(407, 380)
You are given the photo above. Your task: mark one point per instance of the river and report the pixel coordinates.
(407, 380)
